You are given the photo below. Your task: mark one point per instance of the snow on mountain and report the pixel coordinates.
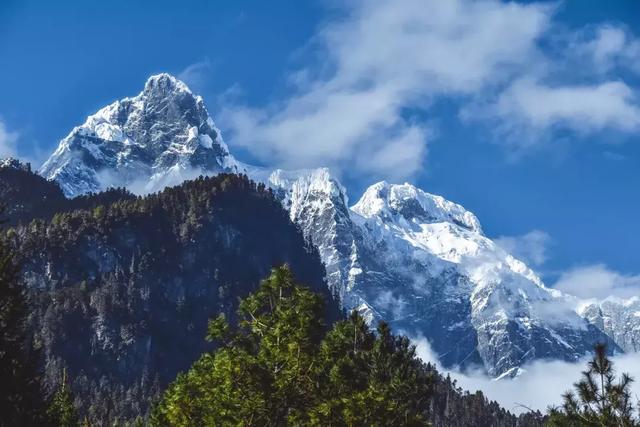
(13, 163)
(423, 264)
(384, 201)
(618, 318)
(414, 259)
(160, 137)
(318, 204)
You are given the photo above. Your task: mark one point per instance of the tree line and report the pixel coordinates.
(275, 361)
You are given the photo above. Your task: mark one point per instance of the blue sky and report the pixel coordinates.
(528, 114)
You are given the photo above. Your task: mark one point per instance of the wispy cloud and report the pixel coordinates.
(359, 105)
(609, 46)
(531, 248)
(380, 60)
(196, 75)
(576, 85)
(528, 109)
(598, 281)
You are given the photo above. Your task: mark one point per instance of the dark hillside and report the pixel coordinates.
(121, 293)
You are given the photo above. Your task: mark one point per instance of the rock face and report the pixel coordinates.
(400, 254)
(620, 319)
(121, 292)
(161, 137)
(317, 203)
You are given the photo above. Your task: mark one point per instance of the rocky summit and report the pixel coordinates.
(158, 138)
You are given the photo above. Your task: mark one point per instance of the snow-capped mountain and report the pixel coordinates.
(158, 138)
(618, 318)
(317, 203)
(414, 259)
(422, 263)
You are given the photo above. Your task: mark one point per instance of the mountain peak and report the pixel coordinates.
(165, 82)
(388, 201)
(160, 137)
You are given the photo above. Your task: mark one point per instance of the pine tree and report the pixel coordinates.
(21, 398)
(263, 373)
(601, 400)
(61, 411)
(370, 379)
(278, 367)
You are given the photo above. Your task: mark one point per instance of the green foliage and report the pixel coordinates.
(601, 399)
(370, 379)
(155, 268)
(61, 411)
(279, 366)
(99, 212)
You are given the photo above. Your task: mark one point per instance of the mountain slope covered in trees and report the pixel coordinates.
(27, 196)
(121, 292)
(121, 287)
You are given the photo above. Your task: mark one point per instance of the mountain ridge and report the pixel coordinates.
(423, 264)
(400, 254)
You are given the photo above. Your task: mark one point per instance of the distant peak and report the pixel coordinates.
(386, 200)
(161, 136)
(305, 180)
(165, 82)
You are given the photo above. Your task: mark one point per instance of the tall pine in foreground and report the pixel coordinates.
(21, 398)
(600, 400)
(279, 366)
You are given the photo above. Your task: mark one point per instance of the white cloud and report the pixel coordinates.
(531, 248)
(610, 46)
(598, 281)
(540, 385)
(143, 185)
(8, 141)
(377, 67)
(195, 75)
(380, 60)
(532, 107)
(576, 86)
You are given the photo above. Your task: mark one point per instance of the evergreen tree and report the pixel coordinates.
(263, 373)
(601, 399)
(370, 379)
(61, 411)
(279, 368)
(21, 399)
